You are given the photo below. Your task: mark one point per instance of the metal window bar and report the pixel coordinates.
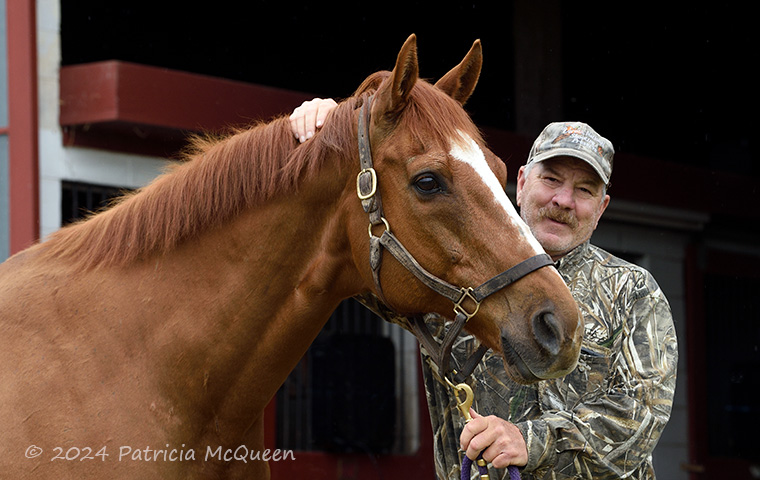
(80, 199)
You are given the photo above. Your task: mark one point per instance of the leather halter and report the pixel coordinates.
(466, 299)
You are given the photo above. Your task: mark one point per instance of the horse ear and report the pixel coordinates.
(460, 82)
(393, 95)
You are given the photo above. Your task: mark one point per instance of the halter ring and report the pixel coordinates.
(385, 222)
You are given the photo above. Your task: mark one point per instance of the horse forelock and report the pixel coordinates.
(431, 116)
(434, 119)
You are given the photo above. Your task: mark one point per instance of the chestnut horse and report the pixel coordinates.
(146, 341)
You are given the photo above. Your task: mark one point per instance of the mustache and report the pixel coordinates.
(558, 215)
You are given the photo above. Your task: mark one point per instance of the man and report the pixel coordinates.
(604, 419)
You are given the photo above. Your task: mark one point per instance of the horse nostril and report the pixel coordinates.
(547, 332)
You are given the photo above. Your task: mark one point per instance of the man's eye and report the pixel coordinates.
(585, 192)
(427, 184)
(550, 180)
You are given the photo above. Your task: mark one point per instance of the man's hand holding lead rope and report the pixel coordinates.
(501, 442)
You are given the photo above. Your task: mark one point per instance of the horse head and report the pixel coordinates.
(443, 198)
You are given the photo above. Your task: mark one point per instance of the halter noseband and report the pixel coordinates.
(466, 299)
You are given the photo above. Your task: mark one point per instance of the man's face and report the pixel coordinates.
(561, 199)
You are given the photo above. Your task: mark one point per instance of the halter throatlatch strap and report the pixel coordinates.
(440, 352)
(466, 299)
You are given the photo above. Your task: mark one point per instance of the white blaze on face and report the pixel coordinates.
(466, 150)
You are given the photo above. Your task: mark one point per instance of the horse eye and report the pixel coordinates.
(427, 184)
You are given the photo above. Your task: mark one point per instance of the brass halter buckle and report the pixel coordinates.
(467, 293)
(372, 186)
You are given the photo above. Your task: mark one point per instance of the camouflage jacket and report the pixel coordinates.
(602, 420)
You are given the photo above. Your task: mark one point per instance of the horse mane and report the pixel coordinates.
(218, 178)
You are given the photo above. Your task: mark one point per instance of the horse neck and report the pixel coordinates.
(257, 289)
(232, 305)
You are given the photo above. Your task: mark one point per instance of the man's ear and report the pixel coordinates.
(520, 184)
(602, 208)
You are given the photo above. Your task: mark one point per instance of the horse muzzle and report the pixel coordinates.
(549, 349)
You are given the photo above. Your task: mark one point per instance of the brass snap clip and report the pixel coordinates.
(463, 404)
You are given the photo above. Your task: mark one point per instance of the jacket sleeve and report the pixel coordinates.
(604, 419)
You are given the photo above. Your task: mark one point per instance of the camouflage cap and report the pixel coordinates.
(575, 139)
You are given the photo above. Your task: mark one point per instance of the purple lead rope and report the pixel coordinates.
(514, 473)
(467, 467)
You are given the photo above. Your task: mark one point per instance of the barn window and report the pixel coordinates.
(355, 390)
(80, 199)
